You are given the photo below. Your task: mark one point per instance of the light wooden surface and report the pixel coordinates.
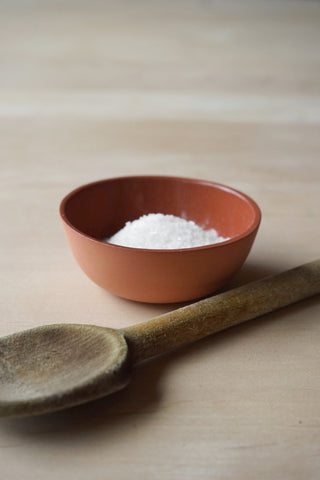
(224, 91)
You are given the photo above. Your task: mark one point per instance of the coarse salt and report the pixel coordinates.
(158, 231)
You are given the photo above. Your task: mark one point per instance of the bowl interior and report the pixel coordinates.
(100, 209)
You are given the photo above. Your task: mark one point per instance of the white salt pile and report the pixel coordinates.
(158, 231)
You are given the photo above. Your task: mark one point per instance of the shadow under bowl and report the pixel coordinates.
(97, 210)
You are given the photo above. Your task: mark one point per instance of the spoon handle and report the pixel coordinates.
(195, 321)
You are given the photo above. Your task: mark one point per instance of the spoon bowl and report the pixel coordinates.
(58, 366)
(49, 367)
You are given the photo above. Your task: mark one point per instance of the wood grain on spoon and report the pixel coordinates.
(57, 366)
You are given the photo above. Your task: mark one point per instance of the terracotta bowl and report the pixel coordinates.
(98, 210)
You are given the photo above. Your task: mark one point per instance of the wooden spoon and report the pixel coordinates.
(57, 366)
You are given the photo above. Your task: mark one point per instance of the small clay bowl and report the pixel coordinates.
(97, 210)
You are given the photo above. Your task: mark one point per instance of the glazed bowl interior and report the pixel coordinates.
(101, 209)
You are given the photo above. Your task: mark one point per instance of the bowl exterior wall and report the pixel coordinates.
(158, 276)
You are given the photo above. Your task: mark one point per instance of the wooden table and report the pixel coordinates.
(224, 91)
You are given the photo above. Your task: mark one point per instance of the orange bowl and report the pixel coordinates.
(97, 210)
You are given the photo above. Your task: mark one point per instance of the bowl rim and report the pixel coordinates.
(253, 226)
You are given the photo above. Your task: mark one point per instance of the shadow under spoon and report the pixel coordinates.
(54, 367)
